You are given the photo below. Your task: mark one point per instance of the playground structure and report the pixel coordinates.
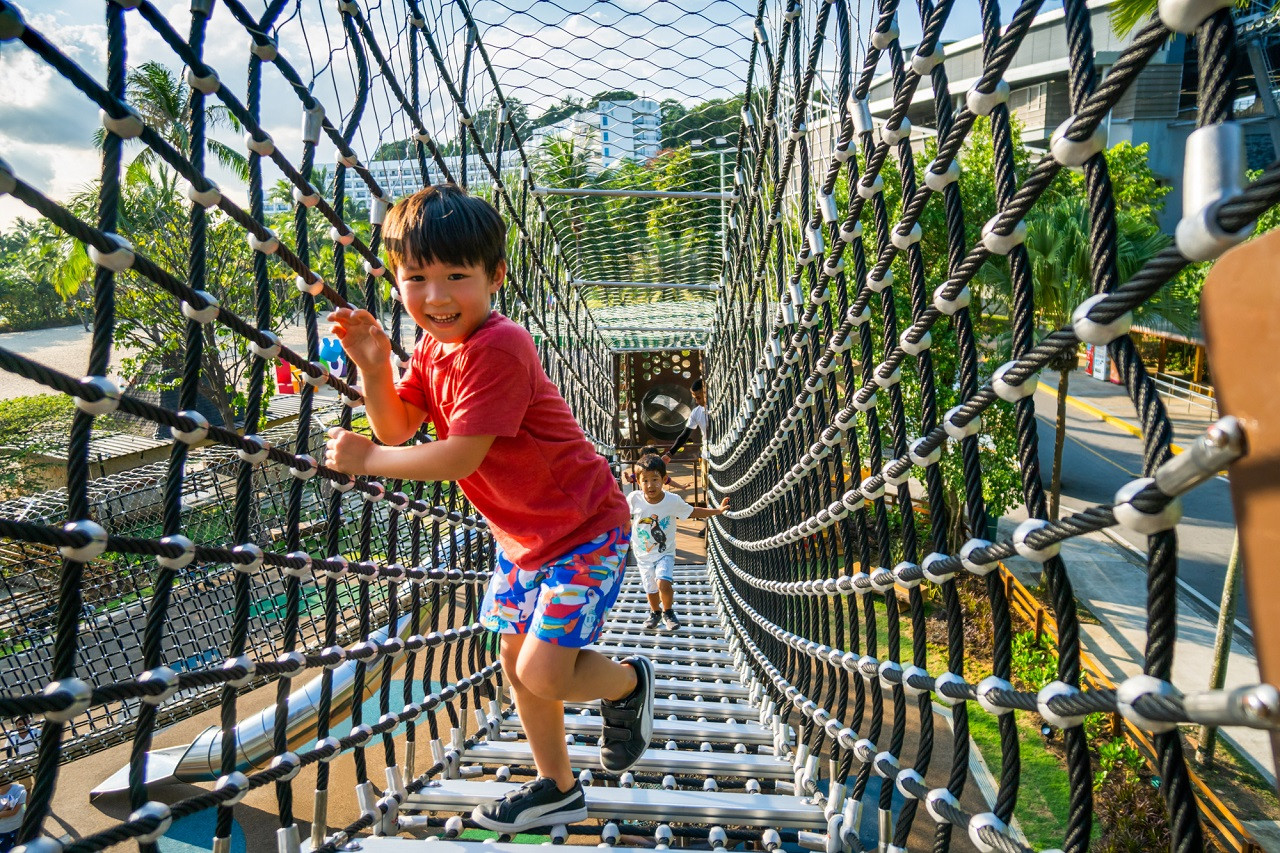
(786, 719)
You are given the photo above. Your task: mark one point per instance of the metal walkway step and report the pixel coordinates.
(658, 652)
(642, 606)
(635, 622)
(712, 710)
(732, 690)
(693, 672)
(659, 638)
(663, 730)
(647, 804)
(682, 762)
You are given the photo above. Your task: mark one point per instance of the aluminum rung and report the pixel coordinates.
(686, 630)
(664, 730)
(373, 844)
(667, 686)
(693, 672)
(683, 762)
(674, 641)
(671, 655)
(643, 607)
(707, 626)
(682, 598)
(776, 810)
(686, 708)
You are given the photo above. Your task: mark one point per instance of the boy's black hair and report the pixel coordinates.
(444, 223)
(696, 386)
(652, 462)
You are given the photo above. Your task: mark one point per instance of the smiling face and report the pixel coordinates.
(449, 301)
(651, 484)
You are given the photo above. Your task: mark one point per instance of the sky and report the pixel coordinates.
(541, 51)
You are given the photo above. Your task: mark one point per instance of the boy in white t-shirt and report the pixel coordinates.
(653, 536)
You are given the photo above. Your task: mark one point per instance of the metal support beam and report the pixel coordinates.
(584, 191)
(660, 285)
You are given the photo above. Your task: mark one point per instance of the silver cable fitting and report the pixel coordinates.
(107, 403)
(342, 238)
(184, 557)
(157, 811)
(1141, 522)
(201, 315)
(878, 285)
(1051, 691)
(924, 460)
(271, 350)
(311, 288)
(307, 198)
(1095, 333)
(90, 550)
(1002, 244)
(206, 198)
(205, 85)
(1134, 688)
(982, 103)
(1037, 555)
(956, 432)
(198, 432)
(1012, 393)
(987, 821)
(1213, 173)
(258, 456)
(254, 565)
(264, 147)
(118, 259)
(894, 135)
(881, 39)
(243, 662)
(312, 122)
(266, 50)
(903, 241)
(163, 676)
(983, 691)
(236, 782)
(267, 246)
(860, 112)
(924, 63)
(936, 577)
(936, 798)
(914, 347)
(953, 305)
(1186, 16)
(304, 467)
(971, 565)
(128, 126)
(1074, 153)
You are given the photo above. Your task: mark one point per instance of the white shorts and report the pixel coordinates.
(662, 570)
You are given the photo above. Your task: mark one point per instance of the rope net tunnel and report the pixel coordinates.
(822, 257)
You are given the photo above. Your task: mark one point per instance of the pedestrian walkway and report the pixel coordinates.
(1110, 402)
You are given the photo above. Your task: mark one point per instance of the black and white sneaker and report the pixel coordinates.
(652, 621)
(628, 722)
(535, 803)
(669, 620)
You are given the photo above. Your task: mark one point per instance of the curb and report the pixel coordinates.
(1119, 423)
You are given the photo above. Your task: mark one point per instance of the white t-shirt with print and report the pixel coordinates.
(698, 418)
(653, 526)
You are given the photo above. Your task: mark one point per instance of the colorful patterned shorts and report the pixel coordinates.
(563, 602)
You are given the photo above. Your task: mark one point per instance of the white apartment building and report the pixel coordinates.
(611, 132)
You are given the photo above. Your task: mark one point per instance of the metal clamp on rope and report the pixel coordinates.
(1134, 688)
(881, 39)
(304, 198)
(850, 231)
(264, 47)
(201, 315)
(262, 448)
(315, 287)
(183, 558)
(971, 565)
(983, 691)
(304, 468)
(107, 403)
(164, 678)
(986, 821)
(118, 259)
(263, 147)
(938, 181)
(924, 460)
(957, 432)
(982, 103)
(878, 285)
(1012, 393)
(1139, 521)
(860, 112)
(1186, 16)
(342, 238)
(378, 210)
(271, 350)
(205, 198)
(1002, 244)
(240, 663)
(906, 575)
(1026, 551)
(924, 63)
(1093, 332)
(951, 306)
(905, 241)
(871, 190)
(268, 245)
(127, 126)
(198, 431)
(915, 348)
(1074, 153)
(1222, 444)
(254, 565)
(1213, 174)
(894, 135)
(90, 550)
(1054, 690)
(205, 85)
(936, 577)
(157, 811)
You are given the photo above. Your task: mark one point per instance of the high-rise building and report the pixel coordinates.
(610, 132)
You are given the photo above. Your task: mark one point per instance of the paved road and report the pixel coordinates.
(1099, 458)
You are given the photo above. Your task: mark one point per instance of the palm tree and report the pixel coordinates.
(164, 102)
(1058, 245)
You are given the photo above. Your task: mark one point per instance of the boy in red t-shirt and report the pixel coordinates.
(507, 437)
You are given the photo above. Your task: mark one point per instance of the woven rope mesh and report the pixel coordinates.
(776, 185)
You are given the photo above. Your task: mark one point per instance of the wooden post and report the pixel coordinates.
(1197, 370)
(1238, 308)
(1164, 354)
(1039, 624)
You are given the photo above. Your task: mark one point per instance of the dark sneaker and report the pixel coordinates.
(652, 621)
(628, 722)
(669, 621)
(533, 804)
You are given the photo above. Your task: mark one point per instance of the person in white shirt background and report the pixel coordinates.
(654, 512)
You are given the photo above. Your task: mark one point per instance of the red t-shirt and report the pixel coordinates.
(542, 486)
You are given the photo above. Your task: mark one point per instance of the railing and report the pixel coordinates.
(1192, 393)
(1218, 819)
